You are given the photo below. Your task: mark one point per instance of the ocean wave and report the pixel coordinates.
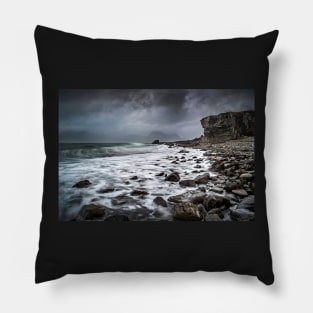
(103, 150)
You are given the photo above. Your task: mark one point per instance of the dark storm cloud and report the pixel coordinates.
(132, 114)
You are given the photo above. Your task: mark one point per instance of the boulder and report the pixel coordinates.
(187, 183)
(134, 177)
(212, 218)
(156, 142)
(82, 184)
(229, 186)
(160, 201)
(202, 179)
(217, 189)
(91, 212)
(174, 177)
(247, 203)
(242, 215)
(160, 174)
(215, 201)
(123, 199)
(240, 192)
(186, 211)
(246, 176)
(190, 196)
(137, 192)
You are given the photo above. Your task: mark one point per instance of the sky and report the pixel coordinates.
(138, 115)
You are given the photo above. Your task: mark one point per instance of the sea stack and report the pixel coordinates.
(228, 126)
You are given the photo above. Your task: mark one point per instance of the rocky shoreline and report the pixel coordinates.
(224, 191)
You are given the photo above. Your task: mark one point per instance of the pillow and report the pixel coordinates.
(154, 155)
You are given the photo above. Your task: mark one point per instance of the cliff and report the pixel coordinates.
(228, 126)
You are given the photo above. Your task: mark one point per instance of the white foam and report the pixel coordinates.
(115, 171)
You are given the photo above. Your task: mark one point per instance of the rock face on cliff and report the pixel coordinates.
(228, 126)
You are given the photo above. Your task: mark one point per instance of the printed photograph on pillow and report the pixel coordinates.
(156, 155)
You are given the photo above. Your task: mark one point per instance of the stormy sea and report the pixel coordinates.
(132, 177)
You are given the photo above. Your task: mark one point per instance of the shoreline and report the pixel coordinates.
(224, 191)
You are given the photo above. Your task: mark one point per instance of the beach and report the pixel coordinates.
(190, 180)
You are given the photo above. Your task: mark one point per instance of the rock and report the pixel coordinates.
(117, 218)
(198, 199)
(187, 183)
(202, 179)
(160, 201)
(229, 186)
(228, 126)
(188, 196)
(105, 190)
(160, 174)
(197, 166)
(201, 209)
(247, 203)
(212, 218)
(215, 201)
(246, 176)
(217, 189)
(240, 192)
(123, 199)
(91, 212)
(186, 211)
(242, 215)
(82, 184)
(173, 177)
(156, 142)
(134, 177)
(137, 192)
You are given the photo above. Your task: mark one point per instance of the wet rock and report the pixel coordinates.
(156, 142)
(186, 211)
(134, 177)
(240, 192)
(217, 189)
(91, 212)
(229, 186)
(117, 218)
(174, 177)
(202, 179)
(215, 201)
(247, 203)
(201, 209)
(75, 199)
(193, 195)
(212, 218)
(160, 174)
(197, 166)
(160, 201)
(123, 199)
(242, 215)
(82, 184)
(198, 199)
(137, 192)
(246, 176)
(187, 183)
(105, 190)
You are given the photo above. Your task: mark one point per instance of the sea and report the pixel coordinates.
(114, 165)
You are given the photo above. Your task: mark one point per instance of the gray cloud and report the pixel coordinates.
(100, 115)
